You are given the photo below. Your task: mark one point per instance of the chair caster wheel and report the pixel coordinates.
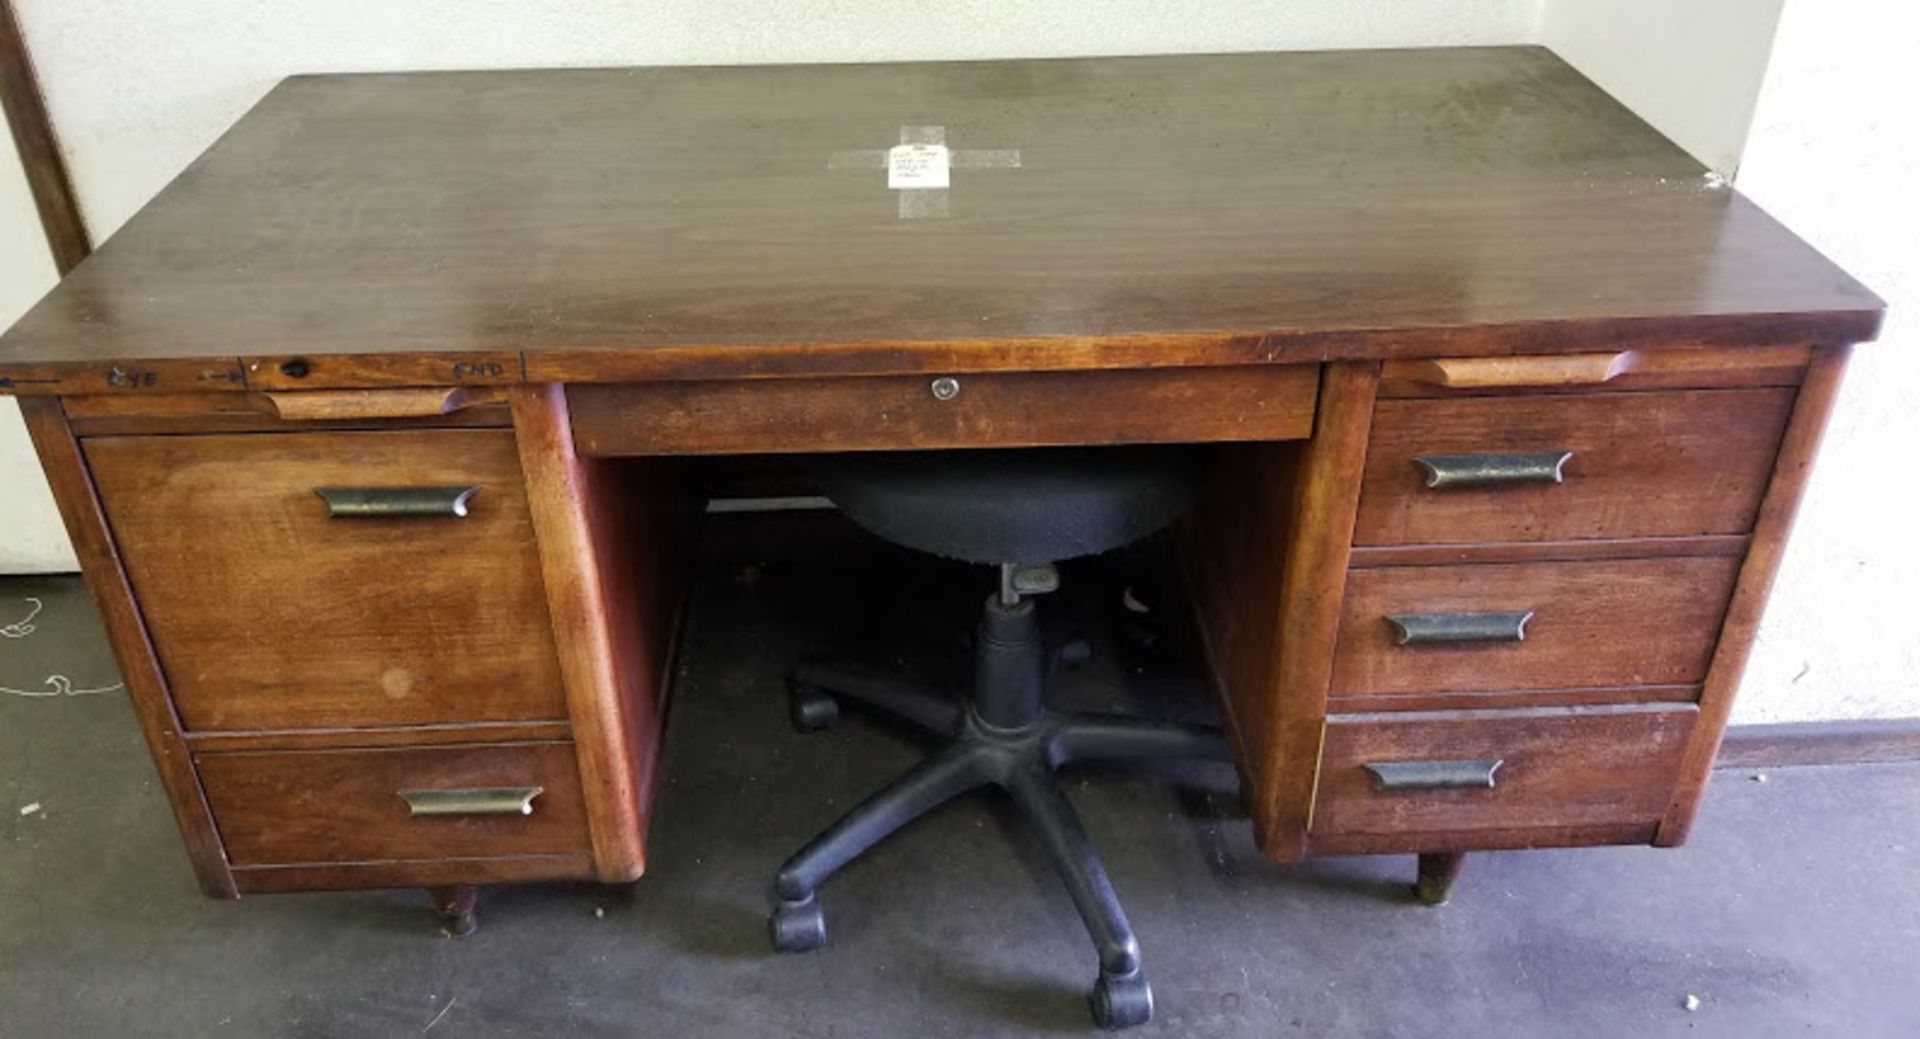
(798, 926)
(811, 709)
(1121, 1000)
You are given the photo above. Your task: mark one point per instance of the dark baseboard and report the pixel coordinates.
(1821, 743)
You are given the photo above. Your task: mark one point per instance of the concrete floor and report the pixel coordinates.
(1794, 911)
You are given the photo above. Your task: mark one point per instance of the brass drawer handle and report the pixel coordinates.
(389, 502)
(500, 800)
(1434, 775)
(1482, 470)
(1416, 629)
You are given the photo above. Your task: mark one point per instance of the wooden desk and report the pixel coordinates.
(1486, 357)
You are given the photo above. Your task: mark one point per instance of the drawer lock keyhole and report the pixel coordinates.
(946, 387)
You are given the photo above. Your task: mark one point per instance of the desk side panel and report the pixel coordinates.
(93, 542)
(613, 539)
(1805, 429)
(1267, 563)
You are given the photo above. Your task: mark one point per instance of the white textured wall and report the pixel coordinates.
(1689, 67)
(1835, 153)
(31, 537)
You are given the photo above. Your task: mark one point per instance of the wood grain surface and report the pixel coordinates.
(1679, 366)
(268, 614)
(1794, 466)
(1364, 556)
(1659, 464)
(40, 155)
(1266, 561)
(310, 806)
(1561, 767)
(1606, 623)
(598, 224)
(1013, 409)
(615, 542)
(1487, 699)
(127, 632)
(389, 873)
(1467, 839)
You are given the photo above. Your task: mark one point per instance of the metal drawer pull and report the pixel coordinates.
(493, 800)
(1433, 775)
(1416, 629)
(389, 502)
(1492, 469)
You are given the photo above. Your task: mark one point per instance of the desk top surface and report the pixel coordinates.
(674, 222)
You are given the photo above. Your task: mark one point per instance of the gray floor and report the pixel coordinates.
(1795, 910)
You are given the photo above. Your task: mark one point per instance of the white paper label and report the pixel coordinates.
(917, 166)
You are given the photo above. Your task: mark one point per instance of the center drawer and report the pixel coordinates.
(1569, 467)
(335, 580)
(1530, 626)
(373, 805)
(978, 409)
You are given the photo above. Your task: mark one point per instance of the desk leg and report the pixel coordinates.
(1438, 871)
(456, 906)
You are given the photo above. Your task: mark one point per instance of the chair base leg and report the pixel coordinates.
(815, 692)
(1020, 763)
(951, 771)
(1102, 738)
(1003, 737)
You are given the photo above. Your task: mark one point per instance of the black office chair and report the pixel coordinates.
(1022, 510)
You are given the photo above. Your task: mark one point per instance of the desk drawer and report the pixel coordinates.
(1514, 626)
(331, 806)
(273, 607)
(1655, 464)
(989, 409)
(1505, 771)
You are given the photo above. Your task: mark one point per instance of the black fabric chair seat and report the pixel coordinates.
(1030, 506)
